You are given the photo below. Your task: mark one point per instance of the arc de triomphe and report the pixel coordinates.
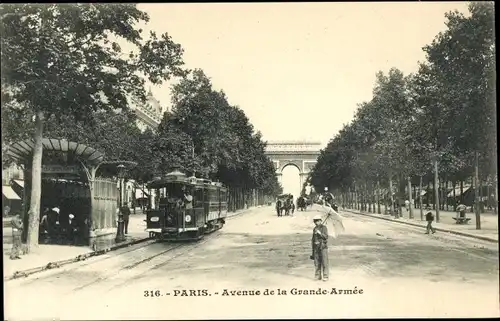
(301, 154)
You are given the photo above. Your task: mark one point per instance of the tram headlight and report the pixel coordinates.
(154, 219)
(188, 218)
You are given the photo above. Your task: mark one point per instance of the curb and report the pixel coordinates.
(82, 257)
(479, 237)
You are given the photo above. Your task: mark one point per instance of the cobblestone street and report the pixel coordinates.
(401, 271)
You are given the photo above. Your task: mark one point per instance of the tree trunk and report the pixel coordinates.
(427, 193)
(436, 191)
(488, 192)
(441, 195)
(476, 189)
(393, 208)
(361, 199)
(480, 186)
(410, 198)
(495, 201)
(415, 200)
(461, 192)
(354, 198)
(369, 198)
(454, 195)
(445, 194)
(378, 197)
(444, 187)
(134, 199)
(420, 199)
(36, 186)
(365, 199)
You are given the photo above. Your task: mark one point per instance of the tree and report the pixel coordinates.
(145, 156)
(224, 141)
(461, 60)
(61, 60)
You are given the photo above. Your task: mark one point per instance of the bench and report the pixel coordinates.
(461, 220)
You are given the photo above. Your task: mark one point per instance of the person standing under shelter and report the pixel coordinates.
(320, 249)
(17, 230)
(6, 211)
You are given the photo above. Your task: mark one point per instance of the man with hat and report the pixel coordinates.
(54, 226)
(72, 229)
(320, 249)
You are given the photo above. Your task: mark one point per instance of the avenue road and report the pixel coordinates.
(392, 270)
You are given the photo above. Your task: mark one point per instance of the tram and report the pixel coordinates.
(187, 208)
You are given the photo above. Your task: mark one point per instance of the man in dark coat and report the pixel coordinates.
(320, 249)
(17, 230)
(429, 217)
(126, 216)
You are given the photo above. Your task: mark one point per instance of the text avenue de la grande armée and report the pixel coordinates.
(235, 293)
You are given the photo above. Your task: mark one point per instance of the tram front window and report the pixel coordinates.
(173, 192)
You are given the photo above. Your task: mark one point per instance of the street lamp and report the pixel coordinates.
(120, 236)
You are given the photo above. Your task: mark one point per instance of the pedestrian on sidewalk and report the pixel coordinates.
(17, 230)
(6, 211)
(429, 217)
(320, 249)
(126, 217)
(461, 210)
(407, 205)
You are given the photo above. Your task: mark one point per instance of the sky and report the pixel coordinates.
(298, 70)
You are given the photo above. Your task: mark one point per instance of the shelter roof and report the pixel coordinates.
(22, 151)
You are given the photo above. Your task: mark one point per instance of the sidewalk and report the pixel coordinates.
(488, 231)
(36, 262)
(55, 253)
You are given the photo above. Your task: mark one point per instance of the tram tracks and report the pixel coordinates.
(116, 274)
(168, 260)
(90, 261)
(113, 272)
(94, 258)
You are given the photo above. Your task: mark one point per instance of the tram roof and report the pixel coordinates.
(181, 178)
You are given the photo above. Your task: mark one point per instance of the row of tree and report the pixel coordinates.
(64, 75)
(435, 126)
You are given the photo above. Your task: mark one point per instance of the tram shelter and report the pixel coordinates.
(77, 180)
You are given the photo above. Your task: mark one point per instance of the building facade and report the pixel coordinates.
(149, 115)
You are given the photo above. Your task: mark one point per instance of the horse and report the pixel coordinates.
(279, 207)
(301, 204)
(287, 206)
